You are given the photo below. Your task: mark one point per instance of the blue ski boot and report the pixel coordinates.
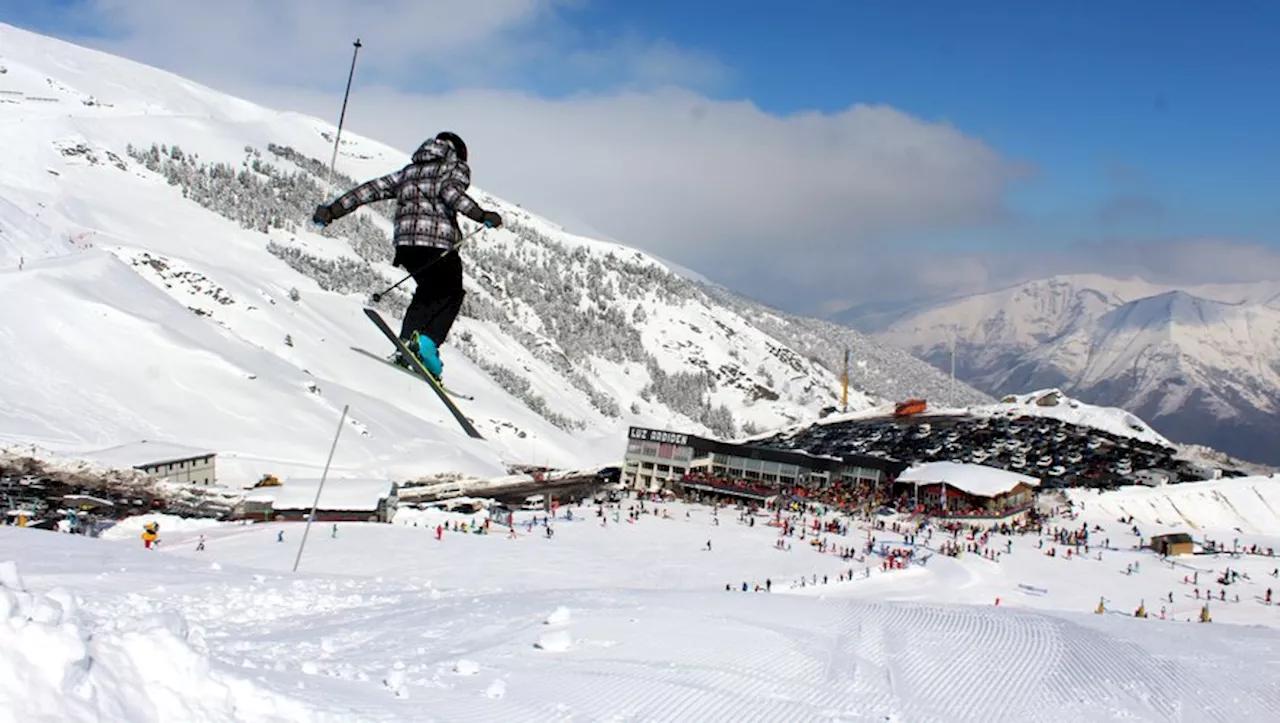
(425, 346)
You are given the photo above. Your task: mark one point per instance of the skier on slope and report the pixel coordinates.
(429, 194)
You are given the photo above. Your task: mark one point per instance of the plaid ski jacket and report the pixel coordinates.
(429, 194)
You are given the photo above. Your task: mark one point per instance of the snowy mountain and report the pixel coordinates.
(159, 280)
(1201, 364)
(890, 371)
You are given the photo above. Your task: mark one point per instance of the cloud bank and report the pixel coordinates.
(630, 138)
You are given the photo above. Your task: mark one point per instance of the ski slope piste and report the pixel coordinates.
(629, 616)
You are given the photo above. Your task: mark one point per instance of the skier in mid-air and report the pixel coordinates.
(430, 192)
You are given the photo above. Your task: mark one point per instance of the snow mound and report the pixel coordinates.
(1052, 403)
(130, 528)
(466, 667)
(555, 642)
(55, 666)
(559, 616)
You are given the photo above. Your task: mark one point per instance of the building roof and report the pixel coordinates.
(146, 453)
(975, 479)
(1173, 537)
(349, 495)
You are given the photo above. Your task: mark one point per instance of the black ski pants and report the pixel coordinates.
(438, 298)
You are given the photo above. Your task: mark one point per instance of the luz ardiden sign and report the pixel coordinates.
(641, 434)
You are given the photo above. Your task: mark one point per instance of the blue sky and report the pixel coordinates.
(1143, 121)
(1182, 95)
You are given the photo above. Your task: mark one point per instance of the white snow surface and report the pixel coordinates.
(976, 479)
(130, 528)
(357, 495)
(1073, 411)
(1244, 505)
(631, 621)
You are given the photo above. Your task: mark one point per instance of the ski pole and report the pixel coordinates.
(378, 296)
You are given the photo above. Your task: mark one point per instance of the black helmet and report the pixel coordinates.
(454, 140)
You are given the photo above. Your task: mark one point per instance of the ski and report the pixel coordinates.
(462, 420)
(452, 392)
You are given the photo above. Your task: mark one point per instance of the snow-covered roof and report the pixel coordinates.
(975, 479)
(356, 495)
(145, 454)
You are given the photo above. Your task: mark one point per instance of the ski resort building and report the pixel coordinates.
(1174, 543)
(166, 460)
(342, 500)
(970, 493)
(658, 459)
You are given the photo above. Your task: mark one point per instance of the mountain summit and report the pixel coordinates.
(1201, 364)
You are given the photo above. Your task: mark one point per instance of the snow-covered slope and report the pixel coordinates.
(159, 280)
(1245, 505)
(385, 622)
(1053, 404)
(1202, 364)
(888, 370)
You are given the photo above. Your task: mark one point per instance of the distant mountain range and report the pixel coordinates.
(1201, 364)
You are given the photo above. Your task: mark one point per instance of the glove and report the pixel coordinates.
(491, 219)
(322, 217)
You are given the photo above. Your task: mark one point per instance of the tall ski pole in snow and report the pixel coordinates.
(343, 116)
(325, 475)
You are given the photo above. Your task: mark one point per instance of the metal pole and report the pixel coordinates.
(325, 475)
(343, 116)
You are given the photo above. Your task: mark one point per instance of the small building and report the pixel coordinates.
(166, 460)
(255, 507)
(341, 500)
(1174, 543)
(970, 493)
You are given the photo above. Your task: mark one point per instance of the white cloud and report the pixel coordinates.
(784, 207)
(697, 179)
(1175, 261)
